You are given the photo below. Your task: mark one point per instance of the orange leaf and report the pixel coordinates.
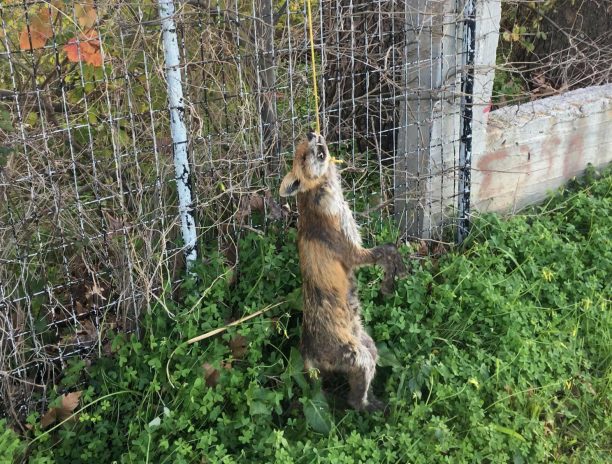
(86, 48)
(38, 40)
(42, 23)
(72, 50)
(39, 31)
(91, 54)
(91, 36)
(95, 59)
(86, 14)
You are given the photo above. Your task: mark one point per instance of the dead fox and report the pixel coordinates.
(329, 243)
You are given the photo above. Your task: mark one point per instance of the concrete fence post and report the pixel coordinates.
(440, 117)
(481, 34)
(423, 35)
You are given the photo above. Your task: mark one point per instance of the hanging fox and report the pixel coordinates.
(330, 248)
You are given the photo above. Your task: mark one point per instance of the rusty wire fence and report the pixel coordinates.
(89, 216)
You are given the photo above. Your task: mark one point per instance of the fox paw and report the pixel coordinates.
(393, 264)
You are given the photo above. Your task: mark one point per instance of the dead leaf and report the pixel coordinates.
(541, 86)
(423, 249)
(263, 203)
(95, 290)
(80, 309)
(86, 14)
(440, 249)
(211, 375)
(549, 427)
(244, 209)
(49, 418)
(239, 345)
(58, 5)
(274, 210)
(114, 224)
(539, 79)
(107, 349)
(88, 332)
(68, 403)
(256, 202)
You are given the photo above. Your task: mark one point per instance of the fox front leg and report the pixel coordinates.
(388, 257)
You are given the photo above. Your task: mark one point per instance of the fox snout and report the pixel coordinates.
(312, 165)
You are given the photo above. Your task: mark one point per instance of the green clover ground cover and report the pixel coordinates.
(498, 352)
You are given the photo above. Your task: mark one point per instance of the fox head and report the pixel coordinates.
(312, 165)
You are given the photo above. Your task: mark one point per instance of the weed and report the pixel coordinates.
(499, 352)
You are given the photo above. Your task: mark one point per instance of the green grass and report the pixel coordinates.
(498, 352)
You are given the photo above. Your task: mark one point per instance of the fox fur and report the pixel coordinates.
(330, 248)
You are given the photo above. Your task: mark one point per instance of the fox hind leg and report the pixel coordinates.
(367, 341)
(360, 376)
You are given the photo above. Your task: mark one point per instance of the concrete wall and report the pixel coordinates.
(519, 153)
(533, 148)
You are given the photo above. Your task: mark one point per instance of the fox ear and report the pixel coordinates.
(290, 185)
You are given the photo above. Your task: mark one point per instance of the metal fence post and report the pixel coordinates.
(465, 145)
(176, 106)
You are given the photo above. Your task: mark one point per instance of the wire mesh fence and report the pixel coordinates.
(89, 216)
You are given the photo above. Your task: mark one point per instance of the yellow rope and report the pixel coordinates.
(314, 74)
(314, 66)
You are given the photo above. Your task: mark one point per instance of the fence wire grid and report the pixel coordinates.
(89, 222)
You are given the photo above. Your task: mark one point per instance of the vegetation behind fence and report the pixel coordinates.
(88, 207)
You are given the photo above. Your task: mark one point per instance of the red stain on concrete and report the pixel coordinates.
(573, 158)
(550, 151)
(485, 163)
